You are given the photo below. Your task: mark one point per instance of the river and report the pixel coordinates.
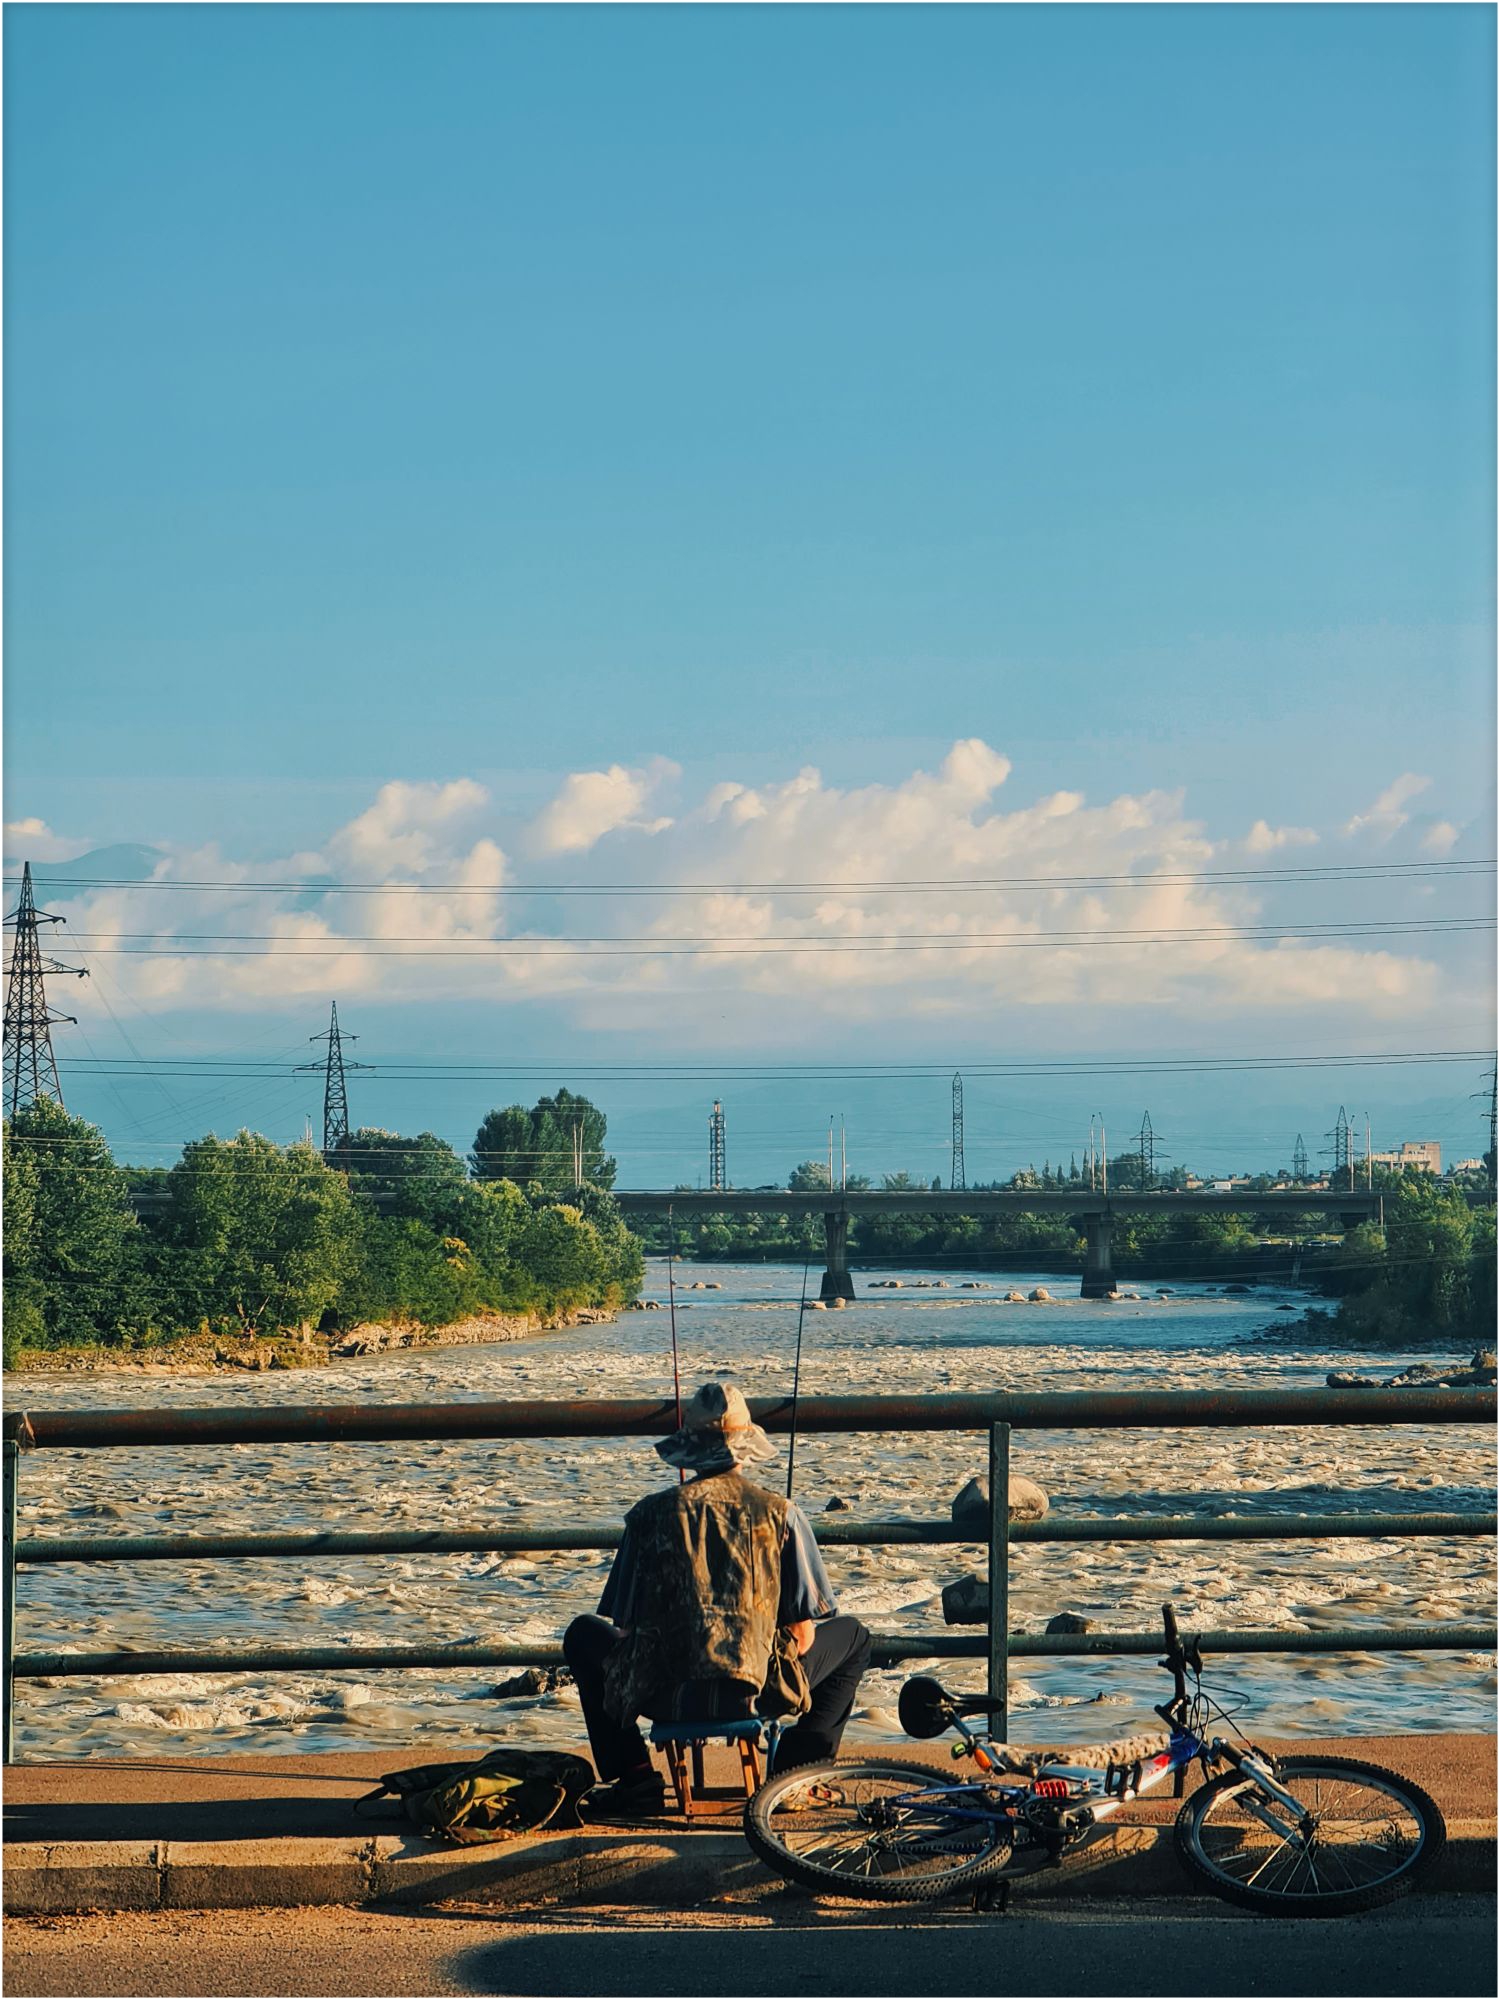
(904, 1342)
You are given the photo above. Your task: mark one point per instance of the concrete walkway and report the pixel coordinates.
(247, 1831)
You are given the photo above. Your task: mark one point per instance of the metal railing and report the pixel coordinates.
(994, 1415)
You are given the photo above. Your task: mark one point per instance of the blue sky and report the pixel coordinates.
(497, 396)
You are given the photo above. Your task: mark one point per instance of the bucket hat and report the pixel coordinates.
(718, 1433)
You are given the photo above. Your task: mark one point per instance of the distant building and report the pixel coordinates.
(1468, 1167)
(1426, 1155)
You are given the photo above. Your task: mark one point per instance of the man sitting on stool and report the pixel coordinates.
(718, 1607)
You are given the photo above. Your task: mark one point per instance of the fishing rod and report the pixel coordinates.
(791, 1450)
(672, 1315)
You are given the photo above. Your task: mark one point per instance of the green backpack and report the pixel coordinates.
(497, 1797)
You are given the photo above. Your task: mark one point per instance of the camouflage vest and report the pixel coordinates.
(708, 1589)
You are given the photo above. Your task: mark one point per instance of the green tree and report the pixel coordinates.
(258, 1237)
(544, 1144)
(73, 1265)
(811, 1177)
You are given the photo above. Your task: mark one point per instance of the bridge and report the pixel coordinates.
(1089, 1209)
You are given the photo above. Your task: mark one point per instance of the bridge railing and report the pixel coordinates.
(996, 1416)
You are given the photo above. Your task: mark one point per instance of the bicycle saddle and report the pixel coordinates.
(926, 1708)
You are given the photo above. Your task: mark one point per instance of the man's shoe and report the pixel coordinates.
(640, 1795)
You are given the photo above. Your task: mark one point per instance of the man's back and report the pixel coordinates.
(702, 1598)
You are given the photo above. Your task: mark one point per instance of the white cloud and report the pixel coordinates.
(1440, 837)
(34, 840)
(801, 864)
(1265, 839)
(1387, 815)
(590, 804)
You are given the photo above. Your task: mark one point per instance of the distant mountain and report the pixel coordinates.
(127, 861)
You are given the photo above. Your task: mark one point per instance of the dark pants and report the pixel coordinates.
(838, 1655)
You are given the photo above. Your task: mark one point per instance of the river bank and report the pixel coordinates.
(215, 1354)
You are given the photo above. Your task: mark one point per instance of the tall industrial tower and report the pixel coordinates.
(335, 1090)
(718, 1178)
(957, 1177)
(30, 1066)
(1343, 1150)
(1299, 1161)
(1146, 1145)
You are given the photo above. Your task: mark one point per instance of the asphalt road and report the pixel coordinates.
(1438, 1945)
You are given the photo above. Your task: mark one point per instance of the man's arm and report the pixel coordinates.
(618, 1602)
(806, 1593)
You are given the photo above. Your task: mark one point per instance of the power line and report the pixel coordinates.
(1308, 872)
(415, 1068)
(797, 945)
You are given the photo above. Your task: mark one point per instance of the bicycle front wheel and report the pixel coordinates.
(1362, 1838)
(881, 1830)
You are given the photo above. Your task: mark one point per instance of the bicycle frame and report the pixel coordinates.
(1092, 1795)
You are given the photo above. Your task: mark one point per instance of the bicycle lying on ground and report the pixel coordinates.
(1288, 1836)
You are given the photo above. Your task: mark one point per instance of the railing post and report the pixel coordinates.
(999, 1666)
(12, 1466)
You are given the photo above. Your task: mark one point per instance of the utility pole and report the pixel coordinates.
(957, 1177)
(335, 1090)
(830, 1149)
(30, 1066)
(843, 1153)
(718, 1178)
(1369, 1158)
(1476, 1093)
(1103, 1156)
(1299, 1161)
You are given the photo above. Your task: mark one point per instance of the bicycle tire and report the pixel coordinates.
(859, 1840)
(1383, 1833)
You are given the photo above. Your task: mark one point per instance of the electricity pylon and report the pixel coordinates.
(1299, 1160)
(957, 1176)
(335, 1090)
(717, 1176)
(30, 1066)
(1343, 1149)
(1146, 1145)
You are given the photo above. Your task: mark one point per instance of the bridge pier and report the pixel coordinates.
(1098, 1260)
(837, 1284)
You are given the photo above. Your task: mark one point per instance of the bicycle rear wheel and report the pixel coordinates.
(881, 1830)
(1363, 1838)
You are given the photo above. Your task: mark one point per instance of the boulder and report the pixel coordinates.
(966, 1602)
(816, 1306)
(837, 1304)
(1015, 1298)
(1071, 1621)
(971, 1504)
(532, 1680)
(837, 1505)
(1041, 1296)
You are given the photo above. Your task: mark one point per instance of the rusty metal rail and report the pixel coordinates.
(994, 1415)
(1148, 1409)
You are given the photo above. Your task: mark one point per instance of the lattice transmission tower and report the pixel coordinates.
(957, 1177)
(30, 1066)
(1300, 1170)
(1342, 1136)
(1146, 1146)
(335, 1089)
(718, 1177)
